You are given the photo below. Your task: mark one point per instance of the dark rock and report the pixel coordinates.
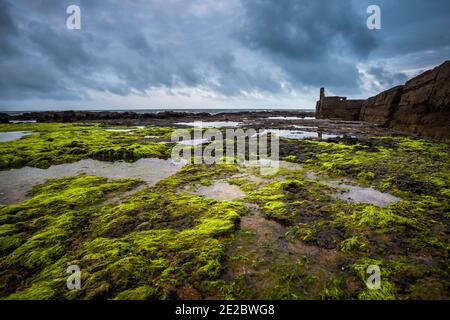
(4, 118)
(380, 108)
(424, 107)
(421, 106)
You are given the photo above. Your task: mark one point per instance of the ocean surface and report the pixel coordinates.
(212, 111)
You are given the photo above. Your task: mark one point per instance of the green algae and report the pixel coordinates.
(354, 243)
(291, 200)
(163, 242)
(56, 143)
(149, 246)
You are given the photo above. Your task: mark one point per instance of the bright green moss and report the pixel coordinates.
(140, 293)
(160, 237)
(35, 292)
(164, 242)
(275, 209)
(387, 290)
(354, 244)
(334, 291)
(366, 176)
(56, 143)
(292, 199)
(290, 158)
(401, 165)
(302, 232)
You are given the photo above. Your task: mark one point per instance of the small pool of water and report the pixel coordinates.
(193, 142)
(12, 135)
(364, 195)
(22, 121)
(221, 190)
(16, 183)
(298, 134)
(212, 124)
(128, 130)
(291, 118)
(307, 128)
(357, 194)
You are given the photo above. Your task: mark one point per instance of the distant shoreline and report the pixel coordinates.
(143, 111)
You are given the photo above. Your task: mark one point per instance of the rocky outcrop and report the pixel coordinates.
(424, 107)
(380, 109)
(147, 116)
(73, 116)
(4, 118)
(421, 106)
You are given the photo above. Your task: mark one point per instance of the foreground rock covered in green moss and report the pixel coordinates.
(292, 236)
(157, 243)
(55, 143)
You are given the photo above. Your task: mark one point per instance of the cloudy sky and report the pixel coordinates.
(211, 53)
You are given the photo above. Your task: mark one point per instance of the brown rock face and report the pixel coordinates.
(421, 106)
(424, 107)
(380, 108)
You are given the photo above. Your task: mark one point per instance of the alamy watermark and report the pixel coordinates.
(373, 282)
(73, 21)
(73, 282)
(213, 146)
(374, 20)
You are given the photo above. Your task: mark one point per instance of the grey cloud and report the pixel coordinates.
(316, 42)
(129, 47)
(385, 78)
(121, 50)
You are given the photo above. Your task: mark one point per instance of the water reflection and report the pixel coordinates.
(16, 183)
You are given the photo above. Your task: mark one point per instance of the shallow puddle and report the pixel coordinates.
(121, 130)
(16, 183)
(297, 134)
(128, 130)
(193, 142)
(22, 121)
(364, 195)
(12, 135)
(221, 190)
(291, 118)
(357, 194)
(307, 128)
(212, 124)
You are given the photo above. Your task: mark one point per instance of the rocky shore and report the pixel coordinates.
(421, 106)
(168, 117)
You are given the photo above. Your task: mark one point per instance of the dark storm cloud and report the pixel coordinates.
(7, 31)
(414, 26)
(231, 47)
(121, 48)
(317, 42)
(386, 78)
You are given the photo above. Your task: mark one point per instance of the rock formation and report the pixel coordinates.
(380, 108)
(424, 107)
(421, 106)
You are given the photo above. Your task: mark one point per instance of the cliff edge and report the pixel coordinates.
(421, 106)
